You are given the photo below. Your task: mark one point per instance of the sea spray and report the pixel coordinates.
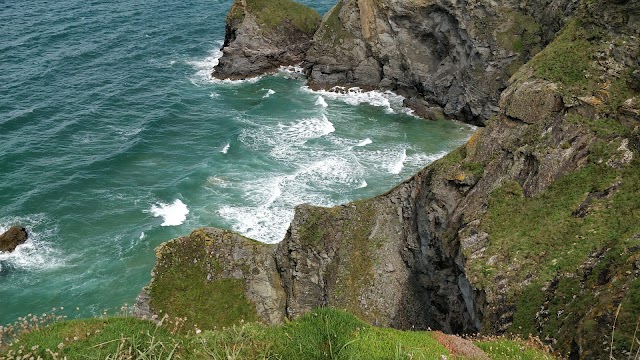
(173, 214)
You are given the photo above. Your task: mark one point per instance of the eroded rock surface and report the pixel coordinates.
(264, 35)
(452, 55)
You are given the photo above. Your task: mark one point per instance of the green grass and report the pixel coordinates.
(181, 287)
(276, 13)
(332, 31)
(503, 349)
(321, 334)
(603, 127)
(568, 59)
(544, 241)
(523, 36)
(97, 339)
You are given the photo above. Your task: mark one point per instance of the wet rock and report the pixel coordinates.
(16, 235)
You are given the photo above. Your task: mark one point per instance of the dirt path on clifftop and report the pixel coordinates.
(460, 348)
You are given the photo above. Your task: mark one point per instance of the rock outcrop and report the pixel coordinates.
(9, 241)
(451, 57)
(264, 35)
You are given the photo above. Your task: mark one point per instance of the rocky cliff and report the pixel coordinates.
(262, 35)
(450, 58)
(531, 228)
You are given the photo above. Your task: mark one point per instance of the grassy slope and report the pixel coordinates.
(181, 287)
(322, 334)
(569, 273)
(272, 14)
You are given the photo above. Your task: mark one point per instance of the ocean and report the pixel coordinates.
(114, 138)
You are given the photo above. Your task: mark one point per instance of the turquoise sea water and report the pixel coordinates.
(114, 139)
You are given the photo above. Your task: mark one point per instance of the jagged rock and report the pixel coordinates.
(16, 235)
(454, 55)
(264, 35)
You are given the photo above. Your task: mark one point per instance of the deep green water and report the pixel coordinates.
(111, 130)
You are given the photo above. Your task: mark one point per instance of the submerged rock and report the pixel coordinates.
(13, 237)
(264, 35)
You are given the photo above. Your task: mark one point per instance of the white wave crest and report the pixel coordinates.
(420, 159)
(225, 148)
(321, 102)
(274, 197)
(269, 93)
(292, 69)
(391, 102)
(173, 214)
(364, 142)
(206, 66)
(396, 167)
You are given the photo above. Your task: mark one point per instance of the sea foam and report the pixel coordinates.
(391, 102)
(37, 253)
(321, 102)
(269, 93)
(206, 66)
(364, 142)
(173, 214)
(396, 167)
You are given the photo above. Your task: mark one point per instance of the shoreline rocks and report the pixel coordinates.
(16, 235)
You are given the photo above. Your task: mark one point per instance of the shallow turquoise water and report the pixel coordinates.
(110, 128)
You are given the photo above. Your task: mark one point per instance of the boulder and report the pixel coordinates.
(13, 237)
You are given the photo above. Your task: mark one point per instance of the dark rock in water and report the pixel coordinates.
(13, 237)
(264, 35)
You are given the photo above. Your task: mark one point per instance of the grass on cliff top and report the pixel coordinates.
(332, 30)
(275, 13)
(321, 334)
(186, 286)
(569, 58)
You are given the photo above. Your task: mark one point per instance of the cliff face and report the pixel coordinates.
(263, 35)
(530, 228)
(451, 57)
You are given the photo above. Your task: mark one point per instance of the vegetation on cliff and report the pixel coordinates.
(272, 14)
(321, 334)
